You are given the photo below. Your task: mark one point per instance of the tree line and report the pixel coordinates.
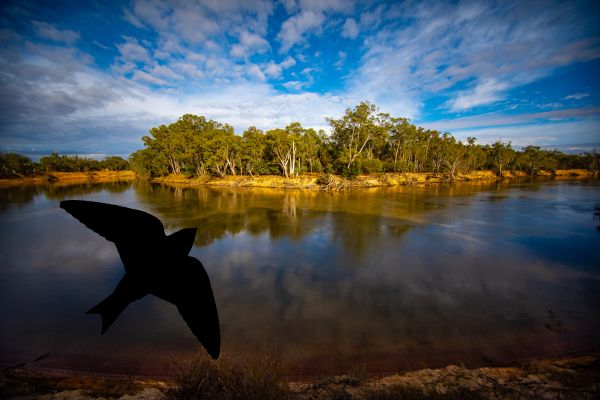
(14, 165)
(362, 141)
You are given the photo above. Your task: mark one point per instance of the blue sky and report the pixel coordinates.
(92, 77)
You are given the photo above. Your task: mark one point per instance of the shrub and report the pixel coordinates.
(371, 166)
(254, 378)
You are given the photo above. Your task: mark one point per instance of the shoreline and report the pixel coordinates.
(67, 178)
(574, 376)
(324, 182)
(330, 182)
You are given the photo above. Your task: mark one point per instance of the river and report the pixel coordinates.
(383, 279)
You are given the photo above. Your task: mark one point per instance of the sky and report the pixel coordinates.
(92, 77)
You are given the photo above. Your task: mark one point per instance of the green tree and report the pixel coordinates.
(279, 145)
(531, 159)
(355, 130)
(253, 150)
(500, 155)
(15, 165)
(114, 164)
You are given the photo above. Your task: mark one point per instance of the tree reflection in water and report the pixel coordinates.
(390, 277)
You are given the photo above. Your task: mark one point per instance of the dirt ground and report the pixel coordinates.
(568, 377)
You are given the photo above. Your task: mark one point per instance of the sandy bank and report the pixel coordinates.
(71, 178)
(335, 182)
(573, 377)
(307, 181)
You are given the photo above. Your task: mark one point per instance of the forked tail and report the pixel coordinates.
(109, 309)
(112, 306)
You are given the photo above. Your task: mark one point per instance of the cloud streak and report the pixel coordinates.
(483, 68)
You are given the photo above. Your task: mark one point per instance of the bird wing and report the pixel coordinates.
(115, 223)
(196, 304)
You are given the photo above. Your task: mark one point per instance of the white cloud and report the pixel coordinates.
(343, 6)
(372, 19)
(89, 111)
(132, 51)
(294, 85)
(49, 31)
(188, 69)
(165, 72)
(411, 52)
(483, 93)
(288, 62)
(199, 21)
(294, 29)
(274, 70)
(290, 5)
(153, 13)
(255, 72)
(350, 29)
(132, 19)
(577, 96)
(249, 44)
(498, 120)
(444, 46)
(193, 24)
(341, 59)
(541, 134)
(143, 76)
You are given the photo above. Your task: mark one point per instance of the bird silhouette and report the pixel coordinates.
(154, 264)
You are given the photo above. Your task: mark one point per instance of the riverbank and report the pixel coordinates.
(336, 182)
(68, 178)
(569, 377)
(306, 181)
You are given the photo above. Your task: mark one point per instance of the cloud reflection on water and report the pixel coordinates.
(393, 278)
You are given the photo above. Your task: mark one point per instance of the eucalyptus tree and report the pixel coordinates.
(163, 140)
(279, 146)
(309, 149)
(15, 165)
(475, 157)
(401, 135)
(355, 130)
(529, 159)
(253, 150)
(149, 162)
(223, 150)
(500, 155)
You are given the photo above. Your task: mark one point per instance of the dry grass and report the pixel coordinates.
(253, 378)
(330, 182)
(67, 178)
(15, 383)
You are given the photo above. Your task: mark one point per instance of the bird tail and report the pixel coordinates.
(112, 306)
(182, 241)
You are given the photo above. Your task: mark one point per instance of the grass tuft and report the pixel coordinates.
(253, 378)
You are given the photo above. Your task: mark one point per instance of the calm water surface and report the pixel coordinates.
(386, 279)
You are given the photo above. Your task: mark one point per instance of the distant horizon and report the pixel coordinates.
(88, 79)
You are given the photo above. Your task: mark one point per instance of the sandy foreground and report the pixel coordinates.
(567, 377)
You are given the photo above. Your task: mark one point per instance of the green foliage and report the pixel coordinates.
(500, 156)
(360, 131)
(363, 140)
(65, 163)
(352, 171)
(532, 159)
(114, 164)
(15, 165)
(371, 166)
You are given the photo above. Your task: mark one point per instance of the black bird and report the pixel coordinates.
(154, 264)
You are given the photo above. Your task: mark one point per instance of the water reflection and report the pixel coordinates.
(391, 278)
